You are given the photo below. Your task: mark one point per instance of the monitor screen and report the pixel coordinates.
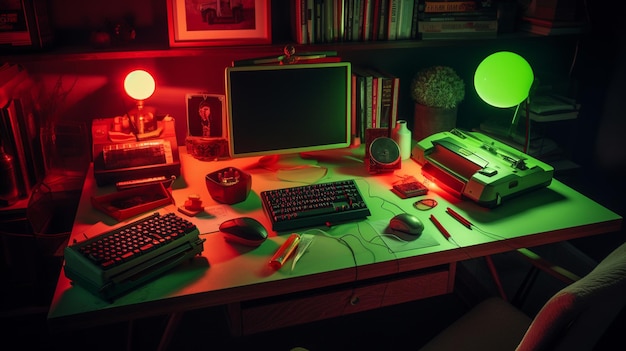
(288, 109)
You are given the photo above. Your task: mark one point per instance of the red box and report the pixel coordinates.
(128, 203)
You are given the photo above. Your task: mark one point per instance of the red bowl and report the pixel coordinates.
(229, 185)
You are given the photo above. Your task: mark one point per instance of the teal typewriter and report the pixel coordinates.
(117, 261)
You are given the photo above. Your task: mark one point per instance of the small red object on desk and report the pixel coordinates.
(443, 230)
(284, 251)
(192, 206)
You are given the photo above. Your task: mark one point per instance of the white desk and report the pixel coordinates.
(348, 268)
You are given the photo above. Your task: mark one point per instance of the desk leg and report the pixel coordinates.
(129, 335)
(451, 276)
(170, 329)
(234, 318)
(495, 276)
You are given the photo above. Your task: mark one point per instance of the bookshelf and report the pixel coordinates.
(73, 58)
(72, 41)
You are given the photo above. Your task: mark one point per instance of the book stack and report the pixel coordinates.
(441, 19)
(555, 17)
(374, 100)
(19, 127)
(542, 26)
(325, 21)
(552, 107)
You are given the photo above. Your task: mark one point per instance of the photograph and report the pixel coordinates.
(218, 22)
(206, 116)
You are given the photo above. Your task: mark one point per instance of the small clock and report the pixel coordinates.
(384, 155)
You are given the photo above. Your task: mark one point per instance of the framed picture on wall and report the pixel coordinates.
(206, 126)
(218, 22)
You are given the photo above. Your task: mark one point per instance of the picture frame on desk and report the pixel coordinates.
(218, 23)
(206, 126)
(206, 115)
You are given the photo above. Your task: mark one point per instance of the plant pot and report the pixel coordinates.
(430, 120)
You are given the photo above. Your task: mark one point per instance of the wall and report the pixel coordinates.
(95, 86)
(82, 89)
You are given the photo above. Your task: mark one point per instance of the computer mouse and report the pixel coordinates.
(406, 223)
(244, 230)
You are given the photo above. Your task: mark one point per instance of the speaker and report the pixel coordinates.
(383, 156)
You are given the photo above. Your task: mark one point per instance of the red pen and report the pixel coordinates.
(459, 218)
(440, 227)
(284, 251)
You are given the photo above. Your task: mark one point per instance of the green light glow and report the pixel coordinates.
(503, 79)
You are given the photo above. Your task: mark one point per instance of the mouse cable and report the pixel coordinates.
(354, 299)
(472, 226)
(385, 201)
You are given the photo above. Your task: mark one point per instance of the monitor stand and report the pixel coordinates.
(286, 162)
(294, 168)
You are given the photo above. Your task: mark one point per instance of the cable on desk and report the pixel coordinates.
(356, 267)
(388, 249)
(384, 244)
(469, 225)
(385, 201)
(354, 299)
(369, 194)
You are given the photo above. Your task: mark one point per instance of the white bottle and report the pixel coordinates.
(402, 136)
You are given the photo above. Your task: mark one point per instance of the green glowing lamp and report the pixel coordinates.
(503, 79)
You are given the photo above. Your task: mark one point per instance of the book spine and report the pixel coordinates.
(338, 18)
(405, 19)
(357, 26)
(382, 20)
(376, 86)
(348, 19)
(367, 20)
(392, 21)
(318, 25)
(458, 26)
(376, 6)
(310, 21)
(329, 23)
(450, 6)
(353, 109)
(360, 105)
(416, 12)
(304, 22)
(386, 100)
(458, 16)
(298, 21)
(368, 101)
(395, 95)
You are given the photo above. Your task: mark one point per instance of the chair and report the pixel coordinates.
(575, 318)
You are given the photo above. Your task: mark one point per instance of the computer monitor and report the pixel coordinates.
(292, 109)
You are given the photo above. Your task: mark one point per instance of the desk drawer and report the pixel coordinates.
(258, 316)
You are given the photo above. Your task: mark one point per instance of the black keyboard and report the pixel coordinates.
(121, 259)
(313, 205)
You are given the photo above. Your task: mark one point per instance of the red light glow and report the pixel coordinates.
(139, 85)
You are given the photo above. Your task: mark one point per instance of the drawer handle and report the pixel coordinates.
(354, 300)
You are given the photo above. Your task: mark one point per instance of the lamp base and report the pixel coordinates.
(142, 119)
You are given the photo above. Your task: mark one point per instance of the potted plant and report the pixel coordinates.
(437, 92)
